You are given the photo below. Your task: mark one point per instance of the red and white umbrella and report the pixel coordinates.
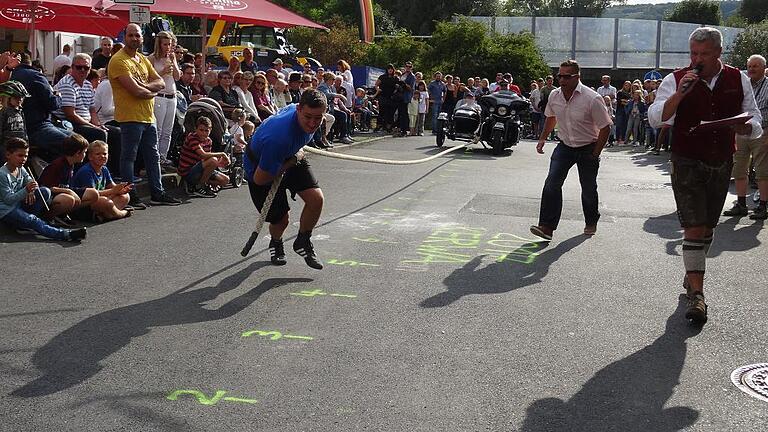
(76, 16)
(257, 12)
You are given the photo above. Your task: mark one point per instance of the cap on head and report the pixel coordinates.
(278, 61)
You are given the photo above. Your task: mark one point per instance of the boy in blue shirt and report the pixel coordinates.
(275, 148)
(21, 198)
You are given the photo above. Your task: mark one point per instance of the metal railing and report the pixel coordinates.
(614, 43)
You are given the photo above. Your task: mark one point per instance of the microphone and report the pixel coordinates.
(697, 70)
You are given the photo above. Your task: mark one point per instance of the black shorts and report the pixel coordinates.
(700, 190)
(296, 179)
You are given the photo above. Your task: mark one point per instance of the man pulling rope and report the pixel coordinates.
(276, 150)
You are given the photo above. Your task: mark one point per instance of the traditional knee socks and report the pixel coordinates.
(694, 255)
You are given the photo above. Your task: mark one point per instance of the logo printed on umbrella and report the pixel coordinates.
(221, 5)
(20, 13)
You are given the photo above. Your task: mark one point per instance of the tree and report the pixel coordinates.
(579, 8)
(467, 48)
(754, 11)
(419, 17)
(341, 42)
(696, 12)
(753, 40)
(321, 11)
(396, 49)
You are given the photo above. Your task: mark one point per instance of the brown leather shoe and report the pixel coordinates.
(542, 231)
(590, 230)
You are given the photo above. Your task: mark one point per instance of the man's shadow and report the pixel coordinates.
(500, 277)
(729, 236)
(75, 354)
(628, 395)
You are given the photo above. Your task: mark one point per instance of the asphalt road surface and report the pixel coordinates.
(437, 310)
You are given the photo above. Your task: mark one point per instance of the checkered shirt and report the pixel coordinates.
(761, 97)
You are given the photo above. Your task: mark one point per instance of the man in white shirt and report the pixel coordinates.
(584, 128)
(63, 59)
(607, 89)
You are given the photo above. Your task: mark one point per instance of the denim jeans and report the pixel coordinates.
(48, 138)
(24, 217)
(621, 124)
(436, 106)
(563, 158)
(140, 136)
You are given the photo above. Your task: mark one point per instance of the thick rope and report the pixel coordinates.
(381, 161)
(263, 214)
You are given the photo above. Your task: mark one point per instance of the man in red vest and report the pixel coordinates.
(702, 159)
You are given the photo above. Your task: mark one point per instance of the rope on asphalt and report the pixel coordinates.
(381, 161)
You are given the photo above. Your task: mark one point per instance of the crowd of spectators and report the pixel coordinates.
(105, 109)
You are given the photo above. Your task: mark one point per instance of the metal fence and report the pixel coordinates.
(615, 43)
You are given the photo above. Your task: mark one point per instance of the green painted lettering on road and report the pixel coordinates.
(205, 400)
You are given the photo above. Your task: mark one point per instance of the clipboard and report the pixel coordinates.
(705, 126)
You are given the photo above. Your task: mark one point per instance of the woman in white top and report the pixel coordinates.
(246, 97)
(164, 62)
(346, 72)
(282, 97)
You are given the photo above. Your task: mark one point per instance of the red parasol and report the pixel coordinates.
(76, 16)
(257, 12)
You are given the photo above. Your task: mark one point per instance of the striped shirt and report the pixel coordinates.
(761, 97)
(190, 152)
(71, 94)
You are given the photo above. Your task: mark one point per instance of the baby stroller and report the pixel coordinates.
(222, 140)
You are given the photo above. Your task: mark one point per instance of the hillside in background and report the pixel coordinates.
(657, 11)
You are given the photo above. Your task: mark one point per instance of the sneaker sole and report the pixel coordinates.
(538, 232)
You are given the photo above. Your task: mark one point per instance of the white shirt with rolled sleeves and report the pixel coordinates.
(579, 119)
(668, 88)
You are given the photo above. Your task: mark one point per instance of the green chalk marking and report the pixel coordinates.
(234, 399)
(373, 240)
(273, 335)
(312, 293)
(297, 337)
(351, 263)
(200, 396)
(319, 292)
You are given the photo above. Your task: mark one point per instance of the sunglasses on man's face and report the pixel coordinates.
(81, 67)
(566, 76)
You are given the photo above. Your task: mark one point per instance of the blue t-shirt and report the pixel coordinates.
(278, 138)
(87, 177)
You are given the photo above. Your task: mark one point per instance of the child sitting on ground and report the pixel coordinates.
(11, 116)
(21, 198)
(197, 165)
(113, 197)
(58, 176)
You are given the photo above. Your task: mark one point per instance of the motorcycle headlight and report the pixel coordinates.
(502, 110)
(491, 109)
(512, 112)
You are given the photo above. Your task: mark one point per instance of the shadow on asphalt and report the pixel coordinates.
(75, 354)
(628, 395)
(500, 277)
(729, 235)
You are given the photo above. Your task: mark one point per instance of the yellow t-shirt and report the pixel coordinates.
(129, 108)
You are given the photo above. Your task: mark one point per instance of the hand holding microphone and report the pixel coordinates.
(690, 78)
